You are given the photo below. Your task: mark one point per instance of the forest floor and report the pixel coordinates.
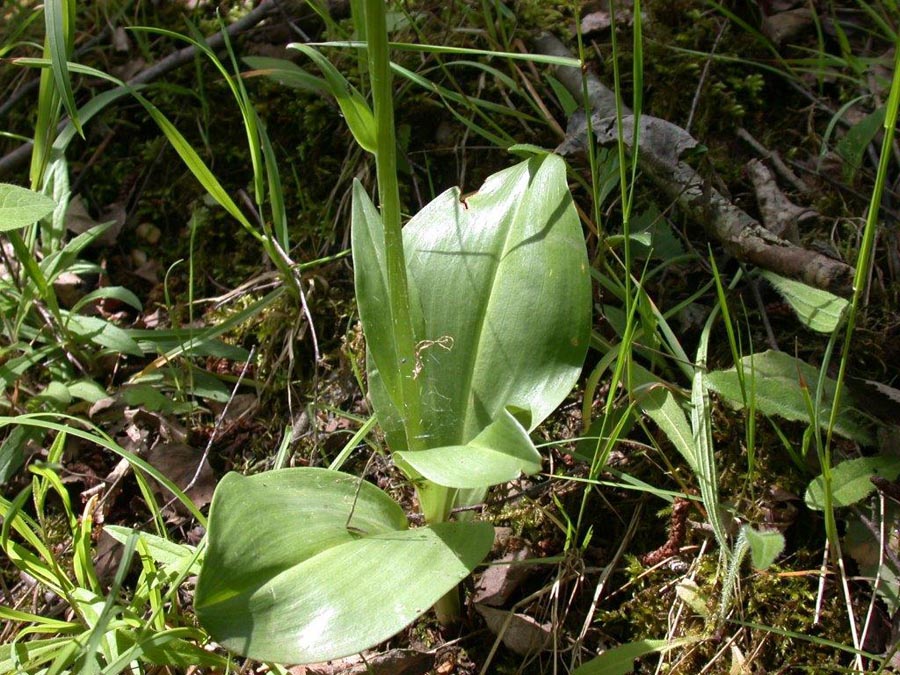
(786, 102)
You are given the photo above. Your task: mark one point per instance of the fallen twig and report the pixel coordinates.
(661, 146)
(778, 164)
(779, 214)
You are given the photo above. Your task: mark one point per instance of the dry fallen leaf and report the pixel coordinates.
(519, 633)
(503, 577)
(595, 22)
(179, 463)
(78, 220)
(786, 26)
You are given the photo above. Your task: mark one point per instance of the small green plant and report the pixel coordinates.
(109, 628)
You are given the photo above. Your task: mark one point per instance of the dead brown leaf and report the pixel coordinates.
(78, 220)
(184, 466)
(787, 26)
(520, 633)
(503, 577)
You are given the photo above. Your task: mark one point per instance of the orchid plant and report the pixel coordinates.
(477, 321)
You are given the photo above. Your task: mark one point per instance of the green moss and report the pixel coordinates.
(775, 600)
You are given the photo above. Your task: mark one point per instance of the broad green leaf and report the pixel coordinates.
(765, 546)
(818, 310)
(779, 382)
(499, 454)
(55, 393)
(371, 283)
(208, 386)
(620, 660)
(20, 207)
(307, 565)
(86, 390)
(850, 481)
(356, 111)
(146, 396)
(501, 302)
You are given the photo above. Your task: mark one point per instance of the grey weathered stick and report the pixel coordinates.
(661, 146)
(171, 62)
(779, 214)
(777, 163)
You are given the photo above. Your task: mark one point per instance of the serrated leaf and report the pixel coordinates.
(499, 454)
(850, 481)
(765, 546)
(20, 207)
(777, 387)
(818, 310)
(333, 568)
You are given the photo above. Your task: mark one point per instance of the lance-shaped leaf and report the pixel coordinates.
(499, 454)
(307, 565)
(500, 298)
(357, 113)
(657, 401)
